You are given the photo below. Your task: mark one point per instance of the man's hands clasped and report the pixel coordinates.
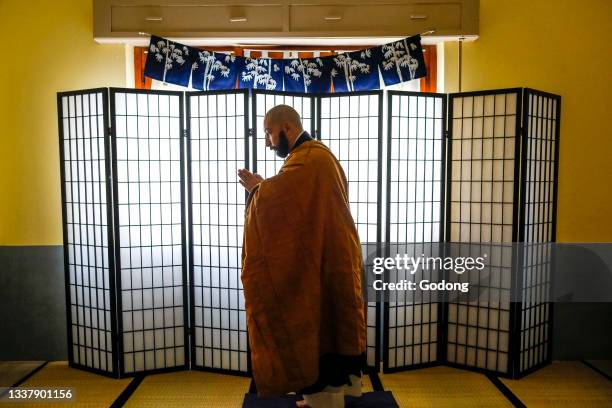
(249, 180)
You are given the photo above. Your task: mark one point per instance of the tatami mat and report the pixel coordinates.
(13, 371)
(563, 384)
(366, 384)
(91, 390)
(443, 387)
(190, 389)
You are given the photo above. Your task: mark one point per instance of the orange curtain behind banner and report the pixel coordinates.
(140, 80)
(427, 84)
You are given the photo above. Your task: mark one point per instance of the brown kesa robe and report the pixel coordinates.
(301, 271)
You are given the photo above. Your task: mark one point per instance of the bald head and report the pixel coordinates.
(281, 115)
(282, 125)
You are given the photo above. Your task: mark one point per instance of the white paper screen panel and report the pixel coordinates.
(482, 207)
(416, 168)
(350, 125)
(218, 148)
(415, 184)
(483, 173)
(536, 310)
(540, 158)
(149, 220)
(88, 258)
(265, 161)
(479, 329)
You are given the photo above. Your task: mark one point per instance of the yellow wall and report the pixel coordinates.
(558, 46)
(563, 47)
(48, 47)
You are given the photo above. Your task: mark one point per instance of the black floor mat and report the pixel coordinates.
(376, 399)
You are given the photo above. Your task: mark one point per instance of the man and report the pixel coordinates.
(302, 271)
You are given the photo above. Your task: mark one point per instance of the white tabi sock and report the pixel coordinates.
(330, 397)
(354, 390)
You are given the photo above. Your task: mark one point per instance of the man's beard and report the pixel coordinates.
(282, 148)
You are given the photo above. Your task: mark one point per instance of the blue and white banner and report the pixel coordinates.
(179, 64)
(310, 75)
(355, 71)
(262, 73)
(169, 61)
(215, 70)
(401, 61)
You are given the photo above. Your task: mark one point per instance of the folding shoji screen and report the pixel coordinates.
(500, 193)
(218, 146)
(150, 247)
(124, 229)
(87, 227)
(265, 161)
(350, 124)
(123, 174)
(415, 197)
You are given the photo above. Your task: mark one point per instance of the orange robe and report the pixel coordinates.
(301, 271)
